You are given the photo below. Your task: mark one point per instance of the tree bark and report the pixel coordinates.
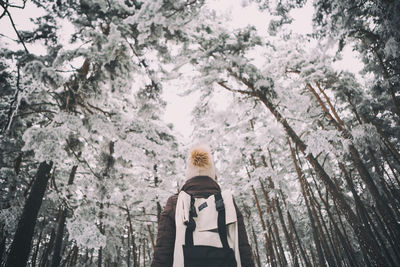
(61, 225)
(302, 252)
(316, 237)
(21, 245)
(286, 232)
(44, 259)
(36, 251)
(56, 259)
(2, 244)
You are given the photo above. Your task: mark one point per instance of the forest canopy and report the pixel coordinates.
(310, 150)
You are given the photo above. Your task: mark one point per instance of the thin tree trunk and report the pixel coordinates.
(259, 211)
(139, 253)
(128, 252)
(100, 257)
(275, 248)
(44, 259)
(347, 247)
(66, 261)
(21, 245)
(274, 225)
(272, 207)
(135, 255)
(302, 252)
(56, 259)
(316, 237)
(74, 257)
(35, 253)
(288, 239)
(144, 252)
(61, 225)
(328, 238)
(151, 236)
(257, 253)
(2, 245)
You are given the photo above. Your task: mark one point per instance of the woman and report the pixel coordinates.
(201, 183)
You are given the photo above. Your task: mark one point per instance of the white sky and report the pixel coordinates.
(239, 13)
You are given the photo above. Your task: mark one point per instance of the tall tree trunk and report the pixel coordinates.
(151, 236)
(270, 209)
(2, 244)
(44, 259)
(21, 245)
(36, 251)
(286, 233)
(302, 252)
(334, 253)
(257, 252)
(100, 257)
(274, 225)
(259, 211)
(74, 257)
(61, 225)
(56, 259)
(305, 192)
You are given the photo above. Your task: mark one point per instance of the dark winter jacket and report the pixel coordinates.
(199, 186)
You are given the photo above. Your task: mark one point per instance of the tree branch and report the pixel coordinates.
(11, 112)
(82, 160)
(2, 4)
(244, 92)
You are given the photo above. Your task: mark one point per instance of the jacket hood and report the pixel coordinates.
(201, 186)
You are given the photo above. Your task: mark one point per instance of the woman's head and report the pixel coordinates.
(200, 162)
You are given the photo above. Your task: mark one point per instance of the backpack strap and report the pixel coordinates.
(191, 224)
(219, 205)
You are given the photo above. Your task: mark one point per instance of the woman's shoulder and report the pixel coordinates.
(169, 209)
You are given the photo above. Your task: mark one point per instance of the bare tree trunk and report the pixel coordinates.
(100, 257)
(274, 226)
(144, 252)
(256, 252)
(36, 251)
(288, 239)
(151, 236)
(74, 258)
(263, 227)
(2, 244)
(21, 245)
(44, 259)
(302, 252)
(61, 225)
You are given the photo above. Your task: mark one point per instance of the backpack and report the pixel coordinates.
(201, 231)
